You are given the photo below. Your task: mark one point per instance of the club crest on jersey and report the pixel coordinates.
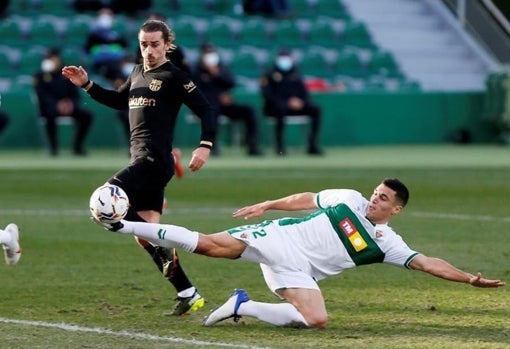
(353, 234)
(155, 85)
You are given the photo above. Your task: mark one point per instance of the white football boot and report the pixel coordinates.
(228, 309)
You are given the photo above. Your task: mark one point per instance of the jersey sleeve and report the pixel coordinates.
(198, 104)
(111, 98)
(397, 252)
(332, 197)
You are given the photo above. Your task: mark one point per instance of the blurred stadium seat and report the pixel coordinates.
(315, 63)
(255, 32)
(221, 33)
(288, 33)
(348, 63)
(245, 63)
(322, 33)
(44, 32)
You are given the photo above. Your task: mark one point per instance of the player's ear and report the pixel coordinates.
(397, 209)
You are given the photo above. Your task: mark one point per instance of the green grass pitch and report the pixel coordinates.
(79, 286)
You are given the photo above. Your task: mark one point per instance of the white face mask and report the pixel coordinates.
(48, 65)
(211, 59)
(105, 21)
(284, 63)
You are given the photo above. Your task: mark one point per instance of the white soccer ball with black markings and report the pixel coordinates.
(109, 203)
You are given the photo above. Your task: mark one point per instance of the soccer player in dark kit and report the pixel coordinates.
(154, 93)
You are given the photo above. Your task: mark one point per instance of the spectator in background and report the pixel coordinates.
(106, 46)
(285, 94)
(131, 8)
(57, 97)
(4, 4)
(273, 8)
(4, 118)
(216, 82)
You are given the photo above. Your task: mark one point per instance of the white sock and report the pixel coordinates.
(187, 292)
(5, 238)
(165, 235)
(279, 314)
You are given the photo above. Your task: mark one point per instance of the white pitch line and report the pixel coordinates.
(137, 335)
(459, 216)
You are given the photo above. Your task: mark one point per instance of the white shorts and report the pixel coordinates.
(281, 263)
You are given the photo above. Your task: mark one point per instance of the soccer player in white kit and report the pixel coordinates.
(9, 239)
(345, 231)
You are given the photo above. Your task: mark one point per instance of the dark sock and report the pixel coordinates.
(165, 259)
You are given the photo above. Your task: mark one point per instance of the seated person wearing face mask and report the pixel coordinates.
(106, 46)
(285, 95)
(216, 82)
(57, 97)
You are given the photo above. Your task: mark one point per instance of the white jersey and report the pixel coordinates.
(336, 237)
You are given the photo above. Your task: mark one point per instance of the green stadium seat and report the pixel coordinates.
(333, 8)
(30, 60)
(245, 64)
(288, 33)
(255, 32)
(348, 63)
(74, 55)
(221, 34)
(76, 32)
(383, 63)
(44, 33)
(322, 33)
(315, 63)
(56, 7)
(11, 29)
(6, 64)
(187, 34)
(356, 34)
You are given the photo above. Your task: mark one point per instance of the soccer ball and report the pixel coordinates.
(109, 203)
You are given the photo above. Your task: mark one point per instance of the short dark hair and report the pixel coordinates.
(154, 25)
(402, 193)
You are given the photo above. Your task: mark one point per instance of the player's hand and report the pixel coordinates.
(250, 211)
(199, 158)
(478, 281)
(77, 75)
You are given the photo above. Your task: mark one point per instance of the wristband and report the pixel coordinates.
(206, 144)
(86, 86)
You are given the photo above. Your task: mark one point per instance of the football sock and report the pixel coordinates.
(161, 255)
(281, 314)
(165, 235)
(178, 278)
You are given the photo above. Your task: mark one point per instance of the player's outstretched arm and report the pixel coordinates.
(442, 269)
(295, 202)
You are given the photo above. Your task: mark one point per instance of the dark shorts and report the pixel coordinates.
(144, 182)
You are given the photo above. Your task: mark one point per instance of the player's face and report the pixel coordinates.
(383, 204)
(153, 48)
